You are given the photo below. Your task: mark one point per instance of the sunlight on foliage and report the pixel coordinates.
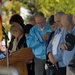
(48, 7)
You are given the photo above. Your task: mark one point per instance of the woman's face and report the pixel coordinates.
(15, 34)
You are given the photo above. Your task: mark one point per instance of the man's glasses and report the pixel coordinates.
(40, 23)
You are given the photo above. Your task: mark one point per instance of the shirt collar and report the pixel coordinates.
(59, 30)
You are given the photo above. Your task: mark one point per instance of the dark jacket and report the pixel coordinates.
(22, 43)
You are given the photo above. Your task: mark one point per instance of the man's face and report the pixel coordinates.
(54, 26)
(57, 19)
(40, 21)
(65, 23)
(3, 46)
(74, 19)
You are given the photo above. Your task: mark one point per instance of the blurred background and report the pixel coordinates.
(28, 8)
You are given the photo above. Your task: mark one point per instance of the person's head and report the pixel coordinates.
(52, 22)
(27, 29)
(2, 46)
(54, 26)
(16, 30)
(74, 19)
(32, 21)
(67, 22)
(39, 14)
(18, 19)
(40, 20)
(57, 18)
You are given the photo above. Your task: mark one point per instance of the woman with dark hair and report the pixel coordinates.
(18, 19)
(51, 20)
(54, 26)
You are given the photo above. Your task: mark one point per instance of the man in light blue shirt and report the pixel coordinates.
(54, 52)
(68, 24)
(68, 54)
(37, 40)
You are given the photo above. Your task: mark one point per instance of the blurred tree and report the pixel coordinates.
(48, 7)
(9, 7)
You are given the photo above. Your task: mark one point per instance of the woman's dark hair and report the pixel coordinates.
(18, 19)
(51, 20)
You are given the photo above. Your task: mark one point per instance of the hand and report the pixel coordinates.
(45, 37)
(63, 47)
(52, 60)
(10, 51)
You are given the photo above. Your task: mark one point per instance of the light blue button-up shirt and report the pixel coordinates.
(68, 55)
(35, 41)
(2, 55)
(59, 55)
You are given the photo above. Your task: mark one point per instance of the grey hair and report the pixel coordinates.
(39, 14)
(60, 13)
(69, 18)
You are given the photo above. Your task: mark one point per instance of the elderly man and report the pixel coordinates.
(68, 24)
(37, 40)
(2, 49)
(53, 49)
(68, 40)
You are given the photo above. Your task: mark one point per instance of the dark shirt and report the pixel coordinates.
(50, 37)
(22, 43)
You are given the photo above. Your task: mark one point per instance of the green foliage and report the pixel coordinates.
(48, 7)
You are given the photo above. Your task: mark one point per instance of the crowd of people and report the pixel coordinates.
(52, 42)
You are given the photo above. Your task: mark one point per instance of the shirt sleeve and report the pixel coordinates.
(59, 55)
